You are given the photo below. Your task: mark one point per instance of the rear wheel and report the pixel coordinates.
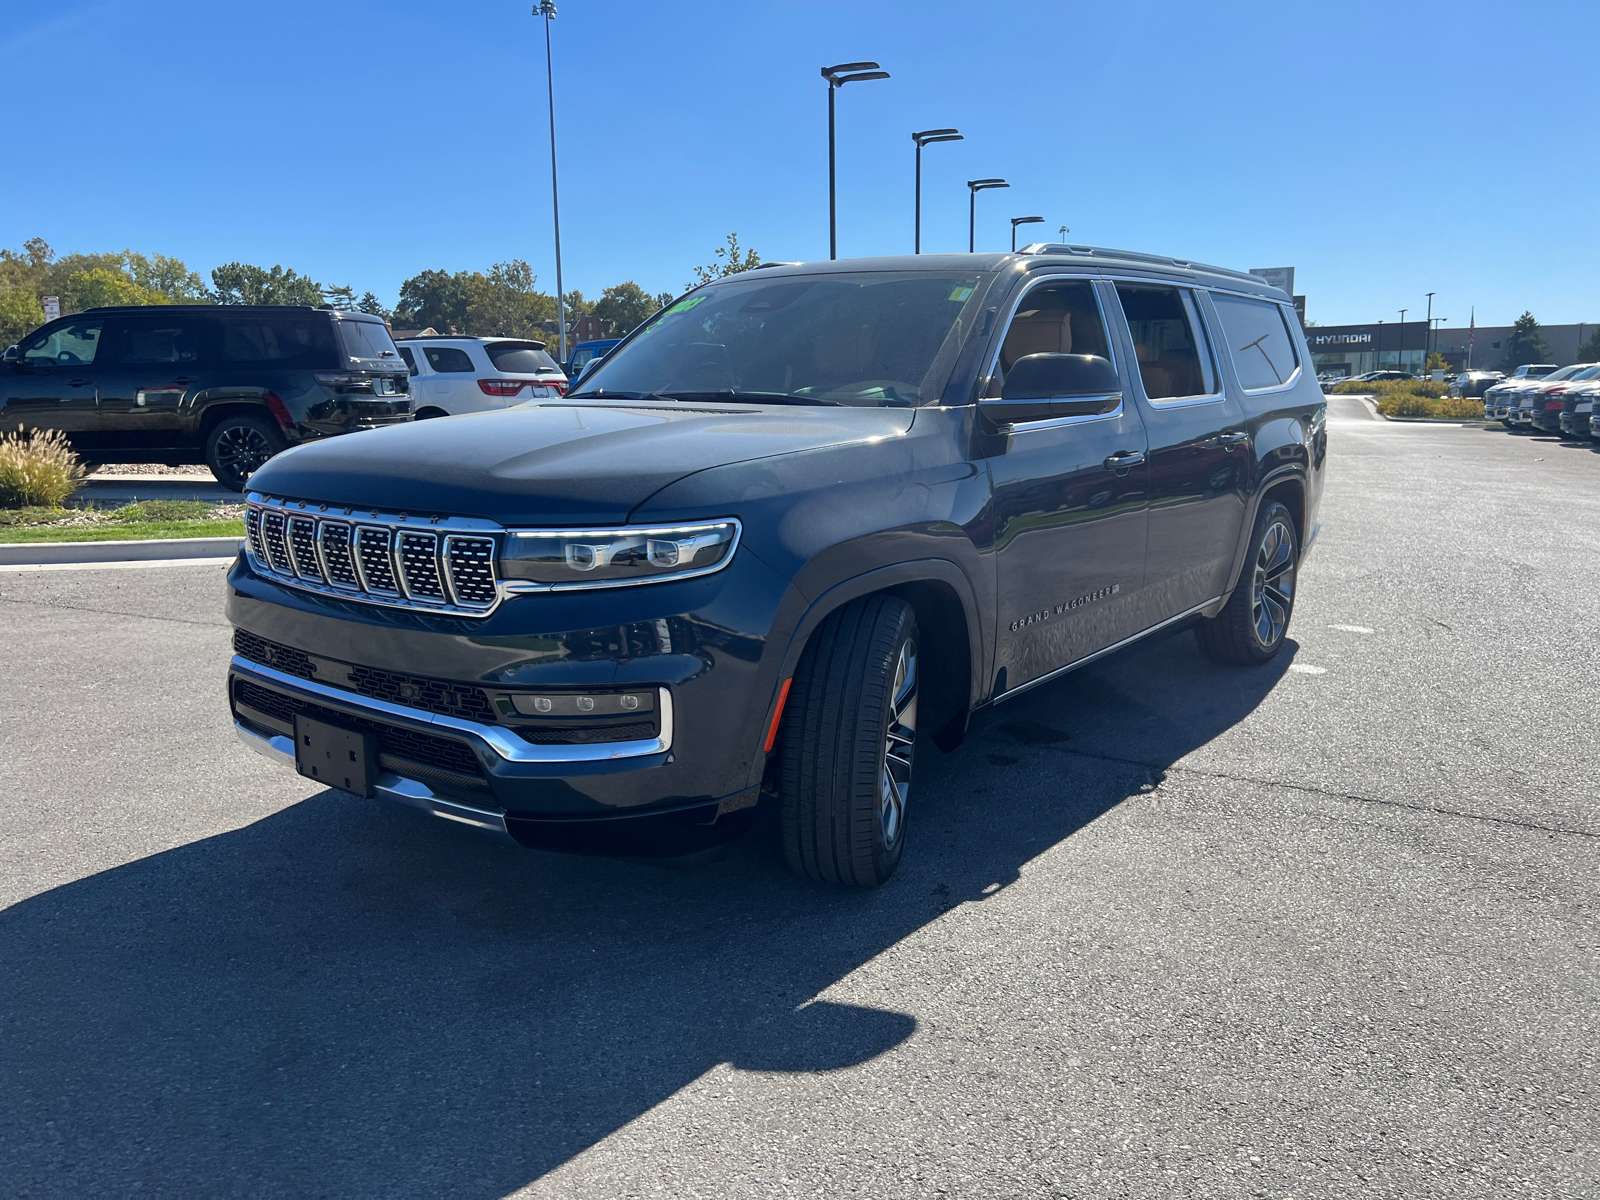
(1251, 627)
(239, 446)
(849, 739)
(427, 414)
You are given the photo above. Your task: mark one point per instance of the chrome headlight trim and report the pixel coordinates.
(521, 587)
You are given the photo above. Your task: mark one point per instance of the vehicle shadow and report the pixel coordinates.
(348, 998)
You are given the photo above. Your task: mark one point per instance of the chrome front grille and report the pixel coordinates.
(443, 564)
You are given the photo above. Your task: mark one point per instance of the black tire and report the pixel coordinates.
(239, 445)
(848, 744)
(1251, 627)
(429, 414)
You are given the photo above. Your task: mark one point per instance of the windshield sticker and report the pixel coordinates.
(961, 292)
(684, 305)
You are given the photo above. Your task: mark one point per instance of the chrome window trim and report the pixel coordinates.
(1040, 281)
(1285, 314)
(1216, 397)
(503, 742)
(1062, 422)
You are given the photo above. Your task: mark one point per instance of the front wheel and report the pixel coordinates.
(849, 736)
(1251, 627)
(239, 446)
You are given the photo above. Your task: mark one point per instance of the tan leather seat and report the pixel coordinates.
(1041, 331)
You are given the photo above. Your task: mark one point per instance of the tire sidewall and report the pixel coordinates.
(228, 478)
(1274, 513)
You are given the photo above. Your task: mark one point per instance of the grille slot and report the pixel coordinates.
(434, 564)
(335, 536)
(272, 533)
(377, 564)
(303, 546)
(252, 531)
(470, 564)
(419, 564)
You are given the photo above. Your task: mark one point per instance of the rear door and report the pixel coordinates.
(1199, 455)
(155, 366)
(55, 381)
(452, 380)
(1070, 501)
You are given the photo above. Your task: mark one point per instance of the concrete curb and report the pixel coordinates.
(166, 549)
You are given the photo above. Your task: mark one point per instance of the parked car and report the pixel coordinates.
(1540, 406)
(1534, 370)
(229, 385)
(1577, 408)
(452, 375)
(729, 566)
(585, 353)
(1472, 385)
(1500, 402)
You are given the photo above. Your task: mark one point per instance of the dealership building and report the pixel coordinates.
(1390, 346)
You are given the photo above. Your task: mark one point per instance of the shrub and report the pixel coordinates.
(164, 510)
(37, 468)
(1409, 404)
(1388, 387)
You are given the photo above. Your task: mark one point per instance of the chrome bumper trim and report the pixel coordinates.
(503, 742)
(392, 787)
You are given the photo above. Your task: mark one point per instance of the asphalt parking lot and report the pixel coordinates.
(1164, 930)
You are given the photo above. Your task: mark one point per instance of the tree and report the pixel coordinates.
(342, 297)
(372, 305)
(625, 307)
(506, 302)
(728, 261)
(1436, 362)
(1590, 350)
(20, 314)
(434, 298)
(244, 283)
(1525, 345)
(167, 276)
(100, 287)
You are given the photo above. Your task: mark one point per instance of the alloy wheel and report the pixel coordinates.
(1272, 596)
(899, 744)
(242, 451)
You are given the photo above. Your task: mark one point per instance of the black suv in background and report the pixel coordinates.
(229, 385)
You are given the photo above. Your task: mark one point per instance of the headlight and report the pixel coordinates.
(564, 559)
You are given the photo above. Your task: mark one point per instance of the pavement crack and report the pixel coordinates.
(112, 612)
(1355, 797)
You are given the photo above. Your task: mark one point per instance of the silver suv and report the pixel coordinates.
(451, 375)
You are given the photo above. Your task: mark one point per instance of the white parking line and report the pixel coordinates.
(118, 566)
(1307, 669)
(1350, 628)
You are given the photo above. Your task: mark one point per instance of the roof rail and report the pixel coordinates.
(765, 265)
(1163, 260)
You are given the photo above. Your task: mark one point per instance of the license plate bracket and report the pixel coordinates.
(334, 756)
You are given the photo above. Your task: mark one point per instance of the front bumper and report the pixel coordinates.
(1576, 424)
(1549, 422)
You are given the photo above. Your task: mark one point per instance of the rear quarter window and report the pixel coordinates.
(279, 342)
(1259, 341)
(447, 358)
(520, 358)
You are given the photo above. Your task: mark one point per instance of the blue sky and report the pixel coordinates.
(1384, 150)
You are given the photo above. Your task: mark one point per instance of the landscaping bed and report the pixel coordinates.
(1415, 400)
(145, 519)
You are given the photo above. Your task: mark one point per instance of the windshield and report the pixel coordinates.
(869, 339)
(367, 339)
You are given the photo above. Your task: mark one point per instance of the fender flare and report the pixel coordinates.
(919, 570)
(1268, 481)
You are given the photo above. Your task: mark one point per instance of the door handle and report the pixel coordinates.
(80, 382)
(1232, 437)
(1123, 459)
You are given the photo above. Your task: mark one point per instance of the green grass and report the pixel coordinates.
(121, 531)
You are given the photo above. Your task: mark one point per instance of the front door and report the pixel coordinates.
(1199, 452)
(54, 381)
(1070, 503)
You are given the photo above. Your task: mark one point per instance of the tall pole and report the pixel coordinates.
(972, 218)
(916, 238)
(547, 10)
(1378, 363)
(833, 208)
(1428, 344)
(1400, 349)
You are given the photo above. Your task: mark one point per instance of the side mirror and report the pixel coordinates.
(11, 355)
(1042, 386)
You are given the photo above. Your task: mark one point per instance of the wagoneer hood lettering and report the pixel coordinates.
(558, 463)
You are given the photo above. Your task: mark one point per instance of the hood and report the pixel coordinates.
(589, 463)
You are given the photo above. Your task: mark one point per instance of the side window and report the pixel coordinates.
(1169, 340)
(71, 345)
(411, 359)
(1054, 318)
(148, 340)
(1258, 338)
(447, 358)
(279, 341)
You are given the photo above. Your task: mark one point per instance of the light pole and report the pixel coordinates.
(922, 139)
(837, 76)
(547, 10)
(1400, 351)
(1427, 345)
(1378, 358)
(1064, 232)
(975, 186)
(1015, 221)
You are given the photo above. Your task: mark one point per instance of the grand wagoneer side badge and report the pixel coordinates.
(1044, 614)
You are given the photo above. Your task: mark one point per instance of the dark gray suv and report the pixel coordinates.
(227, 385)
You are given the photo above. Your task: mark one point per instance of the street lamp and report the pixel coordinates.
(837, 76)
(922, 139)
(547, 10)
(1064, 232)
(1400, 353)
(975, 186)
(1427, 342)
(1015, 221)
